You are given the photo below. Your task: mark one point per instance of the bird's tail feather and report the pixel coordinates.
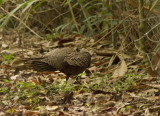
(38, 65)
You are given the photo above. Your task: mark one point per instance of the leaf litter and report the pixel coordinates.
(115, 84)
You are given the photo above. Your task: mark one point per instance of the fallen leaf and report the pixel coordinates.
(121, 70)
(51, 108)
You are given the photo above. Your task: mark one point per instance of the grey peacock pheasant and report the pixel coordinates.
(66, 60)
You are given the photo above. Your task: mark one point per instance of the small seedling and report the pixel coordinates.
(7, 59)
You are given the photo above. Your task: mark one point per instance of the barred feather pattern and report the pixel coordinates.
(65, 60)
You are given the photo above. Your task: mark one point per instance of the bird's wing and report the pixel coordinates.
(77, 59)
(56, 57)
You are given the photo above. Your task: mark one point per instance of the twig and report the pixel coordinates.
(73, 17)
(23, 23)
(54, 19)
(105, 35)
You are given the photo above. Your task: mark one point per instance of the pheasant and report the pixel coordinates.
(66, 60)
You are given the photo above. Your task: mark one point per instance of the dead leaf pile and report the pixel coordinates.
(115, 84)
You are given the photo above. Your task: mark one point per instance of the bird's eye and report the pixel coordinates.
(86, 53)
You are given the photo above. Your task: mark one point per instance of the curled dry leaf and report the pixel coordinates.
(13, 50)
(121, 70)
(153, 70)
(4, 46)
(93, 69)
(14, 77)
(17, 63)
(51, 108)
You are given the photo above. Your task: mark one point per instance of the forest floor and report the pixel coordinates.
(117, 84)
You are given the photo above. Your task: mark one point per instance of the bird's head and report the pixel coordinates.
(85, 52)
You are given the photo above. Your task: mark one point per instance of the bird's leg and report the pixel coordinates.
(78, 79)
(67, 77)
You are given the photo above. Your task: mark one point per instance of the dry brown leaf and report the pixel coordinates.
(93, 69)
(13, 50)
(154, 85)
(17, 63)
(51, 108)
(153, 70)
(121, 70)
(4, 46)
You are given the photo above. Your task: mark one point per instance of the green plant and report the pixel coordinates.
(7, 59)
(5, 80)
(4, 90)
(34, 101)
(10, 111)
(124, 83)
(96, 82)
(127, 107)
(27, 89)
(53, 89)
(54, 34)
(26, 5)
(104, 84)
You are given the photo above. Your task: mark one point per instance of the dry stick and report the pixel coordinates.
(108, 33)
(23, 23)
(105, 35)
(73, 17)
(150, 61)
(142, 37)
(54, 19)
(147, 32)
(151, 39)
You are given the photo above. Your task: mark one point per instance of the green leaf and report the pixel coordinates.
(5, 80)
(82, 29)
(29, 5)
(153, 6)
(7, 17)
(34, 7)
(1, 1)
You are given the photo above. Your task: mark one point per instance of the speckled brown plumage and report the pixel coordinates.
(65, 60)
